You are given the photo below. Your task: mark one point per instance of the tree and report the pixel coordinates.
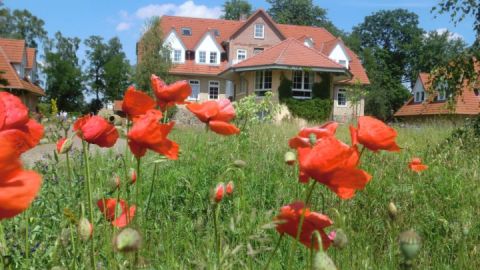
(459, 10)
(117, 71)
(22, 24)
(153, 56)
(301, 12)
(96, 56)
(234, 9)
(63, 73)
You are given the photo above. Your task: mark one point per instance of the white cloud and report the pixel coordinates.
(188, 8)
(451, 35)
(123, 26)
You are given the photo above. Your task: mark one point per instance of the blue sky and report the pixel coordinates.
(125, 18)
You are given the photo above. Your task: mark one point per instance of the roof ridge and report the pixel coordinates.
(284, 49)
(320, 53)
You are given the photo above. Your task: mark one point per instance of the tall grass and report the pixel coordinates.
(441, 204)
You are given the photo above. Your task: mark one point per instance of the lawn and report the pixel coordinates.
(176, 221)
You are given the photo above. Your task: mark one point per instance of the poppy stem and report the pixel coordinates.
(300, 224)
(277, 245)
(215, 227)
(165, 115)
(154, 176)
(90, 204)
(69, 170)
(27, 248)
(137, 182)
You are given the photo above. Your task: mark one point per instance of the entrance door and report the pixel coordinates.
(195, 84)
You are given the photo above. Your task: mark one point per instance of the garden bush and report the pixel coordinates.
(315, 109)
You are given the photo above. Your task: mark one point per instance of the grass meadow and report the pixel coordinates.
(442, 204)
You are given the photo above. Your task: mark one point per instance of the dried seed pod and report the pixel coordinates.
(127, 240)
(410, 243)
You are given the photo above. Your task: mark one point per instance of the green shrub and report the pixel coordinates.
(316, 110)
(322, 90)
(285, 89)
(44, 108)
(252, 110)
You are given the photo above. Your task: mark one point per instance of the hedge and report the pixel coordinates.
(315, 110)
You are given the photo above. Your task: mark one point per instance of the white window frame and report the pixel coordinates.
(255, 31)
(204, 54)
(343, 63)
(179, 60)
(211, 85)
(341, 91)
(189, 29)
(419, 96)
(210, 58)
(243, 53)
(194, 82)
(262, 79)
(303, 88)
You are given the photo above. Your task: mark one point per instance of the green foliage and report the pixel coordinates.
(3, 81)
(154, 58)
(21, 24)
(322, 90)
(459, 10)
(234, 9)
(44, 109)
(355, 94)
(315, 110)
(251, 111)
(284, 89)
(301, 12)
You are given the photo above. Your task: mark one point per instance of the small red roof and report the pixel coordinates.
(13, 48)
(467, 103)
(290, 52)
(191, 68)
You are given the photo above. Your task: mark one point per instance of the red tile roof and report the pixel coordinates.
(290, 52)
(13, 48)
(467, 103)
(190, 67)
(31, 57)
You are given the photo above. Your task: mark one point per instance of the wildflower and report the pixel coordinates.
(416, 165)
(148, 133)
(96, 130)
(127, 240)
(85, 229)
(229, 188)
(374, 135)
(64, 145)
(333, 163)
(218, 193)
(303, 137)
(108, 208)
(289, 219)
(216, 114)
(169, 95)
(136, 103)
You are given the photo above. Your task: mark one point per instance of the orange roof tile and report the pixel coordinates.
(13, 48)
(290, 52)
(31, 57)
(192, 68)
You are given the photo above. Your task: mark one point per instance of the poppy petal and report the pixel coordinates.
(226, 111)
(18, 192)
(136, 103)
(125, 217)
(15, 112)
(204, 111)
(223, 128)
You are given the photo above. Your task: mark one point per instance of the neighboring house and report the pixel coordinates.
(425, 103)
(232, 59)
(20, 66)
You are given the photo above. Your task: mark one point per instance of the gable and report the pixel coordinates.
(208, 43)
(259, 17)
(174, 42)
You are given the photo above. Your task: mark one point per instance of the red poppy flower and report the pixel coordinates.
(334, 164)
(416, 165)
(17, 191)
(148, 133)
(217, 194)
(133, 177)
(229, 188)
(136, 103)
(96, 130)
(108, 208)
(303, 137)
(217, 115)
(289, 219)
(169, 95)
(374, 135)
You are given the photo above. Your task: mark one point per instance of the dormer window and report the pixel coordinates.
(186, 31)
(177, 56)
(442, 95)
(419, 96)
(213, 57)
(259, 30)
(202, 57)
(343, 62)
(216, 32)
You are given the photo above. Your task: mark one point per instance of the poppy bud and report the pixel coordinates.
(290, 158)
(133, 176)
(410, 243)
(217, 193)
(239, 163)
(323, 262)
(64, 145)
(127, 240)
(340, 239)
(312, 138)
(392, 210)
(64, 237)
(85, 229)
(114, 182)
(229, 188)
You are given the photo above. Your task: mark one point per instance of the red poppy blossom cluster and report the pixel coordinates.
(216, 114)
(18, 134)
(109, 206)
(416, 165)
(96, 130)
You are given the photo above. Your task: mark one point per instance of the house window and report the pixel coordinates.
(419, 96)
(263, 82)
(341, 97)
(241, 55)
(257, 51)
(259, 30)
(216, 32)
(302, 84)
(213, 57)
(177, 56)
(202, 57)
(186, 31)
(343, 62)
(195, 84)
(243, 85)
(442, 95)
(213, 89)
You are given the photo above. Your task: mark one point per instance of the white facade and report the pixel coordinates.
(174, 43)
(340, 55)
(210, 47)
(418, 91)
